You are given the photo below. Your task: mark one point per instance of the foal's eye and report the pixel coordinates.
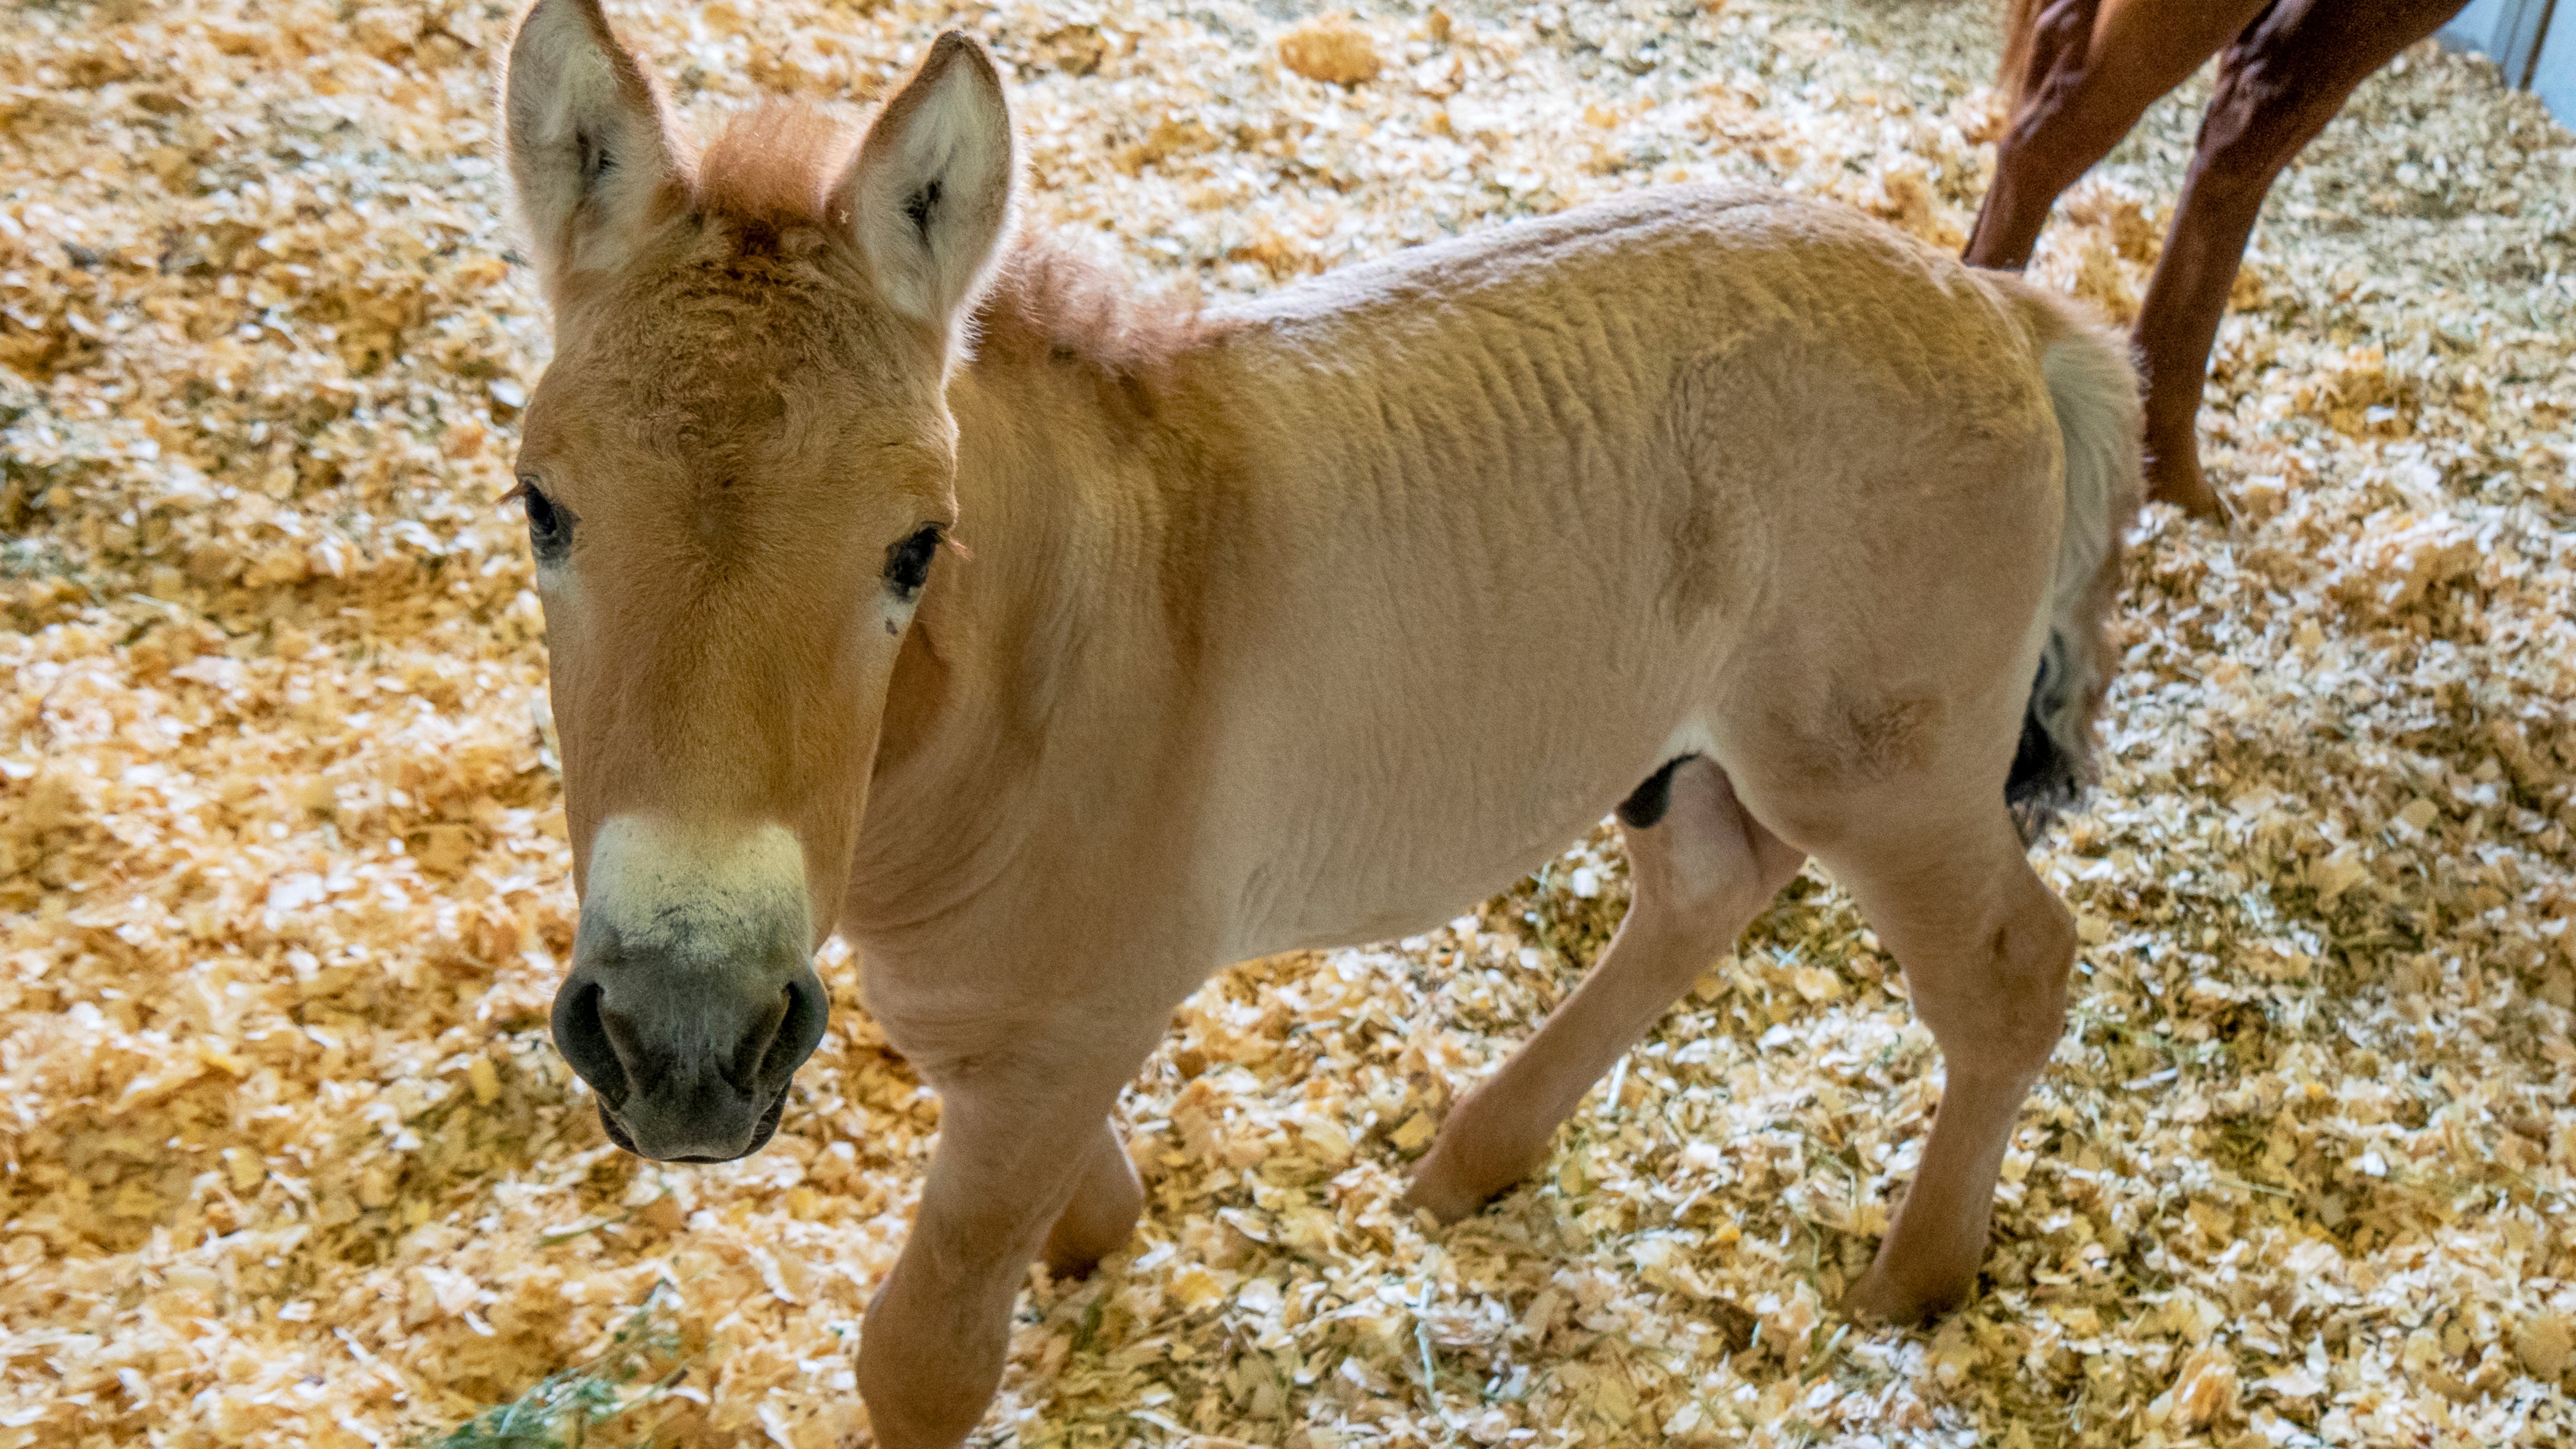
(908, 563)
(549, 527)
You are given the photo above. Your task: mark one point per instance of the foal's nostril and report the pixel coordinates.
(798, 1032)
(753, 1053)
(582, 1036)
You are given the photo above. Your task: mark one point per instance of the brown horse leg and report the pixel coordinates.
(1106, 1202)
(2278, 85)
(1021, 1131)
(1699, 876)
(1985, 949)
(2093, 68)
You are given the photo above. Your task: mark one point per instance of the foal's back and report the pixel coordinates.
(1519, 516)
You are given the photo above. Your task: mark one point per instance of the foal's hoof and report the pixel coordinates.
(1447, 1193)
(1072, 1267)
(1443, 1197)
(1880, 1298)
(1483, 1151)
(1077, 1247)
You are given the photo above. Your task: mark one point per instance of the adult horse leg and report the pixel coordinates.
(1022, 1140)
(2085, 71)
(1985, 948)
(2278, 85)
(1699, 875)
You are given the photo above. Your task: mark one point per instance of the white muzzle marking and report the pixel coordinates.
(692, 897)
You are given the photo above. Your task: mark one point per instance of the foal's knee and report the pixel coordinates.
(1998, 1008)
(2051, 967)
(2032, 958)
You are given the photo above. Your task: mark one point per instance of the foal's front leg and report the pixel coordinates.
(1024, 1162)
(1107, 1199)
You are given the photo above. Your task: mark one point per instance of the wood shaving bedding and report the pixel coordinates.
(288, 1158)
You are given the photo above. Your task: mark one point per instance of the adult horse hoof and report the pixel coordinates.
(2184, 486)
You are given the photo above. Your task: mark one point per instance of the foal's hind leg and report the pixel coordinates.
(1985, 948)
(1699, 875)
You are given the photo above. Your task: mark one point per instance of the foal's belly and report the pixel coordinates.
(1386, 840)
(1412, 738)
(1347, 908)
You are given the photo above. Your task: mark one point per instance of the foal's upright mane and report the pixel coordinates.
(772, 167)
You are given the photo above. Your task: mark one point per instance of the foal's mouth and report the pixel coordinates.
(760, 1135)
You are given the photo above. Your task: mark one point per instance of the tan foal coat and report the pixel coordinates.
(1307, 621)
(1375, 593)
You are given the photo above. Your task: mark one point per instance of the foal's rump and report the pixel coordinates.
(1926, 470)
(1962, 522)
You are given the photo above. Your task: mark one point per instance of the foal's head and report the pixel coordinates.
(737, 474)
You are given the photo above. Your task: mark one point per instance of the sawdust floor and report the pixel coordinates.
(289, 1160)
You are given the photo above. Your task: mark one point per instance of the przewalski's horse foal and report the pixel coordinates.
(1306, 623)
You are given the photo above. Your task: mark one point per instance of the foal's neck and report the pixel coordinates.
(1084, 425)
(1090, 432)
(1085, 417)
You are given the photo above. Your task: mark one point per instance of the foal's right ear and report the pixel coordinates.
(588, 141)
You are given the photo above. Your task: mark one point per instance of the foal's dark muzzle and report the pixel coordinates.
(691, 1063)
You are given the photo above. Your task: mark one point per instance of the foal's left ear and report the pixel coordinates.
(929, 193)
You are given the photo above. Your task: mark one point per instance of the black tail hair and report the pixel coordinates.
(2046, 781)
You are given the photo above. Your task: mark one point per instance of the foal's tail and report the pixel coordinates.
(2094, 388)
